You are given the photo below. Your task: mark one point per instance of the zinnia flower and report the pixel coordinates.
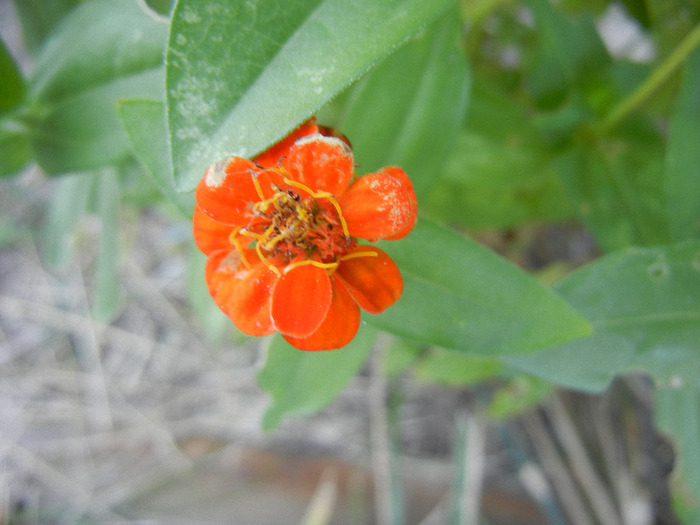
(281, 235)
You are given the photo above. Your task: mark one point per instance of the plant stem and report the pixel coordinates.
(662, 72)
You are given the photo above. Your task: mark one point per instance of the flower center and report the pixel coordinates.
(310, 228)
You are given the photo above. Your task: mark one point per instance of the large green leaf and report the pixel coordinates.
(145, 124)
(459, 294)
(240, 75)
(644, 305)
(416, 101)
(683, 156)
(302, 383)
(73, 92)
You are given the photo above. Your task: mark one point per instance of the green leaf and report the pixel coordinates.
(240, 75)
(416, 100)
(459, 294)
(73, 92)
(644, 305)
(617, 186)
(498, 173)
(671, 20)
(302, 383)
(39, 18)
(683, 156)
(521, 393)
(489, 183)
(69, 204)
(569, 54)
(677, 412)
(12, 85)
(145, 124)
(15, 151)
(65, 140)
(399, 356)
(450, 367)
(107, 290)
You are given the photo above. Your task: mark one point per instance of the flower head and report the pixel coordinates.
(281, 233)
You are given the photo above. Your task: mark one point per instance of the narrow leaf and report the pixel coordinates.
(240, 75)
(107, 290)
(458, 294)
(69, 204)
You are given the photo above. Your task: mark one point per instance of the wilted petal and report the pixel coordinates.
(209, 235)
(339, 326)
(374, 282)
(221, 275)
(300, 300)
(227, 192)
(249, 306)
(380, 205)
(320, 163)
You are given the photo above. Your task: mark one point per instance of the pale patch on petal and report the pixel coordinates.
(331, 141)
(216, 173)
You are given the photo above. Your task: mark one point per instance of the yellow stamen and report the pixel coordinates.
(252, 235)
(256, 183)
(267, 263)
(331, 265)
(239, 249)
(355, 255)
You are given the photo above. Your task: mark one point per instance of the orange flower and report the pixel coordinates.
(281, 235)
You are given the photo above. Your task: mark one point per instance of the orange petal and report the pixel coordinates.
(272, 156)
(339, 326)
(249, 306)
(380, 205)
(321, 163)
(374, 282)
(220, 274)
(209, 235)
(223, 273)
(227, 192)
(300, 300)
(242, 293)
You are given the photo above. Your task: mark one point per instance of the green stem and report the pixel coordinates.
(662, 72)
